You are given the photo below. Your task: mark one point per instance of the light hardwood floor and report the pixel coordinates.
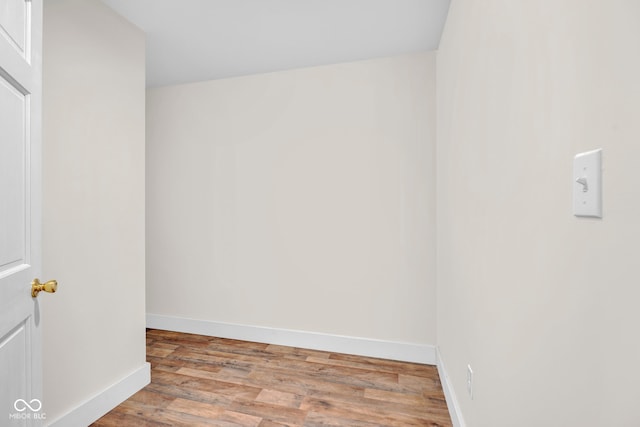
(200, 380)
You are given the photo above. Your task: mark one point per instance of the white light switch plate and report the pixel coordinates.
(587, 184)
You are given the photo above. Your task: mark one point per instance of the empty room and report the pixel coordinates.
(319, 213)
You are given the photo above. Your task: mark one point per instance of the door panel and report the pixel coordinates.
(14, 23)
(14, 350)
(20, 147)
(12, 177)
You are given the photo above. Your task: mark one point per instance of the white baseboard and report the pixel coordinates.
(103, 402)
(452, 401)
(406, 352)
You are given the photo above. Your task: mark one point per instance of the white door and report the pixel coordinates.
(20, 141)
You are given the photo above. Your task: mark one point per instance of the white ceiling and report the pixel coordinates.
(195, 40)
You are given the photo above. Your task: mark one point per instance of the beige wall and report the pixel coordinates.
(543, 305)
(300, 200)
(93, 207)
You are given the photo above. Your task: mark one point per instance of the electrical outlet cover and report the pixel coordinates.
(470, 381)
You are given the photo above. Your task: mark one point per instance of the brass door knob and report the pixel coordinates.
(51, 286)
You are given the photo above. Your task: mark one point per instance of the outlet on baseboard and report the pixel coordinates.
(470, 381)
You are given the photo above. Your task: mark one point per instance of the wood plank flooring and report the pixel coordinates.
(199, 380)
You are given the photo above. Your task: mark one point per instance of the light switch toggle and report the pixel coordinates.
(583, 182)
